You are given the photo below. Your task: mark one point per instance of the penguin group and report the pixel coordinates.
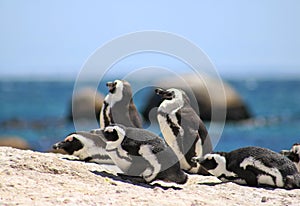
(185, 147)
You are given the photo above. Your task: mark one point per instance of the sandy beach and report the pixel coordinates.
(34, 178)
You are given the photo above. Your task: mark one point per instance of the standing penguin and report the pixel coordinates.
(118, 106)
(141, 154)
(182, 129)
(253, 166)
(293, 154)
(86, 146)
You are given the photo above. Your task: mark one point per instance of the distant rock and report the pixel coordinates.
(83, 101)
(235, 108)
(15, 142)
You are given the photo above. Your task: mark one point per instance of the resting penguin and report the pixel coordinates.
(86, 146)
(293, 154)
(182, 129)
(141, 155)
(254, 166)
(118, 106)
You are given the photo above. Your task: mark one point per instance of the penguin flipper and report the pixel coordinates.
(134, 116)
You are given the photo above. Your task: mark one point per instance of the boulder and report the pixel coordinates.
(15, 142)
(83, 101)
(205, 91)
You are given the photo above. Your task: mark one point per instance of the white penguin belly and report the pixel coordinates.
(172, 142)
(265, 180)
(146, 152)
(250, 161)
(122, 160)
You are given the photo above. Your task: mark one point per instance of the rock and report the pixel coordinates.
(235, 109)
(15, 142)
(83, 101)
(34, 178)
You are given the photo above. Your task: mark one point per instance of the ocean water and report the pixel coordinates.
(36, 111)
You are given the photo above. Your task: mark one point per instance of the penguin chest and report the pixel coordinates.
(171, 130)
(105, 115)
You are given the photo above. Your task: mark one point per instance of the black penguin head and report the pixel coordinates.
(112, 86)
(70, 144)
(114, 133)
(119, 90)
(214, 163)
(292, 181)
(293, 154)
(173, 99)
(165, 94)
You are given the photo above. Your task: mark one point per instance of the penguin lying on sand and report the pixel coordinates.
(141, 155)
(182, 129)
(293, 154)
(118, 106)
(253, 166)
(86, 146)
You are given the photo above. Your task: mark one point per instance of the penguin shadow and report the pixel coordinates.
(211, 183)
(266, 187)
(74, 160)
(134, 180)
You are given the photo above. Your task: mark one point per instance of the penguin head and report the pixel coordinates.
(293, 154)
(292, 181)
(114, 135)
(172, 98)
(214, 163)
(119, 90)
(70, 144)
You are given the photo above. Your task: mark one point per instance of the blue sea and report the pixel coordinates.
(36, 111)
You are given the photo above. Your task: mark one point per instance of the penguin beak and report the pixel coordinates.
(111, 86)
(164, 94)
(59, 145)
(285, 152)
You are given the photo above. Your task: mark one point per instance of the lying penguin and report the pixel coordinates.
(86, 146)
(141, 155)
(293, 154)
(253, 166)
(182, 128)
(118, 106)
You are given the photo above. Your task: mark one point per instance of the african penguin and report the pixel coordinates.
(86, 146)
(118, 106)
(253, 166)
(293, 154)
(182, 129)
(140, 153)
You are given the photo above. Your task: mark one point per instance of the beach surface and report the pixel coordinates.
(34, 178)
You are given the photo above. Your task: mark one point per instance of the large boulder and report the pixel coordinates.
(15, 142)
(83, 101)
(205, 90)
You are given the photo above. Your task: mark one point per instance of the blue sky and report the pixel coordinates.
(240, 37)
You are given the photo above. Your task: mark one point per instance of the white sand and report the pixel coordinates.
(33, 178)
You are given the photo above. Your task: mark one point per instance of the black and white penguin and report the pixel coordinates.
(253, 166)
(118, 106)
(86, 146)
(182, 128)
(140, 153)
(293, 154)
